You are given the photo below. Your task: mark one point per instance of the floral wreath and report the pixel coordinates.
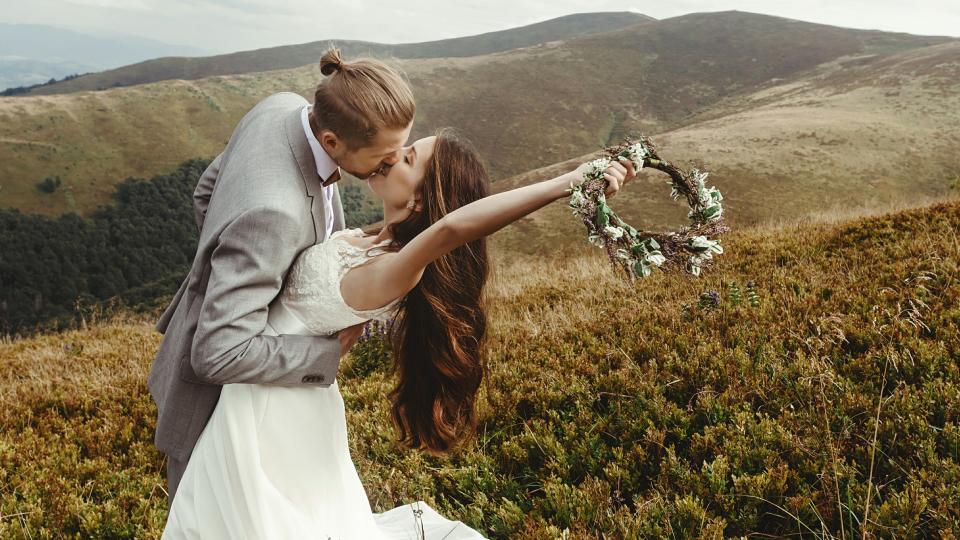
(638, 252)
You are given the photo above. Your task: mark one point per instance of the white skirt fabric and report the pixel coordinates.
(273, 462)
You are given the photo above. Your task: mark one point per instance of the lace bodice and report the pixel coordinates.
(312, 295)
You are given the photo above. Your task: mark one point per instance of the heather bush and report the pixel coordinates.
(827, 407)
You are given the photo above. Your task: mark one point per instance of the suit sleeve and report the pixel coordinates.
(201, 195)
(246, 272)
(201, 200)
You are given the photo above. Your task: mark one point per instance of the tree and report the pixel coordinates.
(137, 249)
(49, 184)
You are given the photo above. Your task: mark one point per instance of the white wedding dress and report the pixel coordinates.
(273, 461)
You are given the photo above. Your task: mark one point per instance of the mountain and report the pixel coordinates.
(16, 73)
(32, 53)
(861, 133)
(680, 71)
(291, 56)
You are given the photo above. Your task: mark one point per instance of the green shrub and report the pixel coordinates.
(605, 413)
(49, 184)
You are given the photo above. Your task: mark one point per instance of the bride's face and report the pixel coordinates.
(398, 184)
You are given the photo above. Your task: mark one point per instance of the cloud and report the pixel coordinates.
(112, 4)
(234, 25)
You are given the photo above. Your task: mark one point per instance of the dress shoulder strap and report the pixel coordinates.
(352, 255)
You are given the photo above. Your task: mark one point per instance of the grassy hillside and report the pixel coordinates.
(830, 408)
(673, 69)
(290, 56)
(856, 134)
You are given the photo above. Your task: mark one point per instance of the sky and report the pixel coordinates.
(234, 25)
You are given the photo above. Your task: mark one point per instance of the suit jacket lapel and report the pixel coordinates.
(308, 171)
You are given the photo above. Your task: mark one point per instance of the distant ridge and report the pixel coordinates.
(791, 104)
(35, 53)
(291, 56)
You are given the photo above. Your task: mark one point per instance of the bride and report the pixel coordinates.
(273, 461)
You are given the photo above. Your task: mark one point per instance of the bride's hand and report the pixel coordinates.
(618, 173)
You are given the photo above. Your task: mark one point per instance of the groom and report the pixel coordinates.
(270, 194)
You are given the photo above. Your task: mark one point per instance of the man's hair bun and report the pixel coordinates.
(331, 61)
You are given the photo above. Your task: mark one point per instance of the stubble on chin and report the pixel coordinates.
(356, 174)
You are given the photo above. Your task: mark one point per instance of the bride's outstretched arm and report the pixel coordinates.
(481, 218)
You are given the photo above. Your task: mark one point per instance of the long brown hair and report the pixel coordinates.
(440, 326)
(359, 98)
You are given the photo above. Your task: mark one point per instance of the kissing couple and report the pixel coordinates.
(250, 416)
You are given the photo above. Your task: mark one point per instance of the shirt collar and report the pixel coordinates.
(325, 164)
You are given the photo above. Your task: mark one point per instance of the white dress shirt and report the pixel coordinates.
(325, 168)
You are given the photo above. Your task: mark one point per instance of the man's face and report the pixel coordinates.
(384, 149)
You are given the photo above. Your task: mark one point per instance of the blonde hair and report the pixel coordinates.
(360, 98)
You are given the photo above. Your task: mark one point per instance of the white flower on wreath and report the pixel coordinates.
(636, 154)
(656, 259)
(613, 232)
(597, 167)
(704, 243)
(577, 200)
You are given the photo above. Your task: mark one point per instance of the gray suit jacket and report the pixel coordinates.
(258, 205)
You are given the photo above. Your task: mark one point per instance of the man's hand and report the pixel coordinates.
(349, 336)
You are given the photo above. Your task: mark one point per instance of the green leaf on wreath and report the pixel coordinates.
(603, 215)
(641, 269)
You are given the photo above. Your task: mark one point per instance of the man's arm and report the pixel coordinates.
(201, 199)
(201, 195)
(247, 268)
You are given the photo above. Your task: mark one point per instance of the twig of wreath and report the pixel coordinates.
(638, 252)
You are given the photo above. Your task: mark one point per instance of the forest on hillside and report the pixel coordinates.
(133, 252)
